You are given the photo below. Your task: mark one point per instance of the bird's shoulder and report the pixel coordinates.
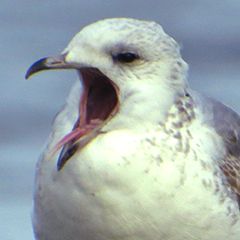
(226, 123)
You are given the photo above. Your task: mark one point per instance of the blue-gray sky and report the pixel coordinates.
(209, 32)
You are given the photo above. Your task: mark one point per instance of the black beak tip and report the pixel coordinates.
(37, 67)
(66, 153)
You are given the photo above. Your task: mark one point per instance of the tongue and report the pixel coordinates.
(76, 134)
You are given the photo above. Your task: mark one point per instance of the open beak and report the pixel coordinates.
(99, 103)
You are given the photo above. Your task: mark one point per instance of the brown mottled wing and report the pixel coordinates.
(226, 122)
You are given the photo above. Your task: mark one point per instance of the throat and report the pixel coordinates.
(100, 102)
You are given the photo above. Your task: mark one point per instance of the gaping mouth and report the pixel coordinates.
(99, 103)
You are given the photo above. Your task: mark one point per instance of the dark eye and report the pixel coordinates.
(127, 57)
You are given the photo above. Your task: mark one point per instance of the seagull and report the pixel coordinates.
(135, 154)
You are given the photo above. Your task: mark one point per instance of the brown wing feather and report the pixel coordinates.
(231, 168)
(226, 122)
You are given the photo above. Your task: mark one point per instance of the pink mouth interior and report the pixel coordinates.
(98, 101)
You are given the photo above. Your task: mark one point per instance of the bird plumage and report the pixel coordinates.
(162, 163)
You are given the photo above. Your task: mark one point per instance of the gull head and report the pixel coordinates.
(122, 63)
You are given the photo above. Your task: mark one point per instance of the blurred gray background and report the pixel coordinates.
(209, 32)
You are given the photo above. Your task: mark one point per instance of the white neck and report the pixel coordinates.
(146, 105)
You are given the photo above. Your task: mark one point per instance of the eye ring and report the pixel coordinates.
(126, 57)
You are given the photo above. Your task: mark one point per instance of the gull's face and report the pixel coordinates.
(106, 54)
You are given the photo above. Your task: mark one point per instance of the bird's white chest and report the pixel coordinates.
(135, 186)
